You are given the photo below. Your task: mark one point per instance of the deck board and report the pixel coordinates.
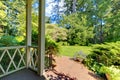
(25, 74)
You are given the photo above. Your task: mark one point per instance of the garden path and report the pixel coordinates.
(68, 69)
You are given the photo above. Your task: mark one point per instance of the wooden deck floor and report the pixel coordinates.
(25, 74)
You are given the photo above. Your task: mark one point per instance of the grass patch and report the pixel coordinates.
(71, 50)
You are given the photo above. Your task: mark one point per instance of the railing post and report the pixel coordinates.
(41, 37)
(28, 30)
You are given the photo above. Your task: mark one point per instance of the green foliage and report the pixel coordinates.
(22, 31)
(14, 8)
(56, 33)
(7, 40)
(79, 35)
(51, 46)
(112, 72)
(107, 54)
(34, 29)
(102, 16)
(77, 29)
(22, 24)
(2, 14)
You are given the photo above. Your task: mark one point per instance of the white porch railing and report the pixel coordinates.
(33, 58)
(12, 59)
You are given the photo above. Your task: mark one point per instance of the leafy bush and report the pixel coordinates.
(113, 72)
(7, 40)
(107, 54)
(56, 33)
(79, 35)
(51, 44)
(52, 48)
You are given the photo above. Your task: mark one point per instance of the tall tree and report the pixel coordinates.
(99, 15)
(112, 21)
(57, 10)
(74, 6)
(2, 14)
(14, 7)
(70, 6)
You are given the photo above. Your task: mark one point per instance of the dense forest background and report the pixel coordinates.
(92, 21)
(77, 22)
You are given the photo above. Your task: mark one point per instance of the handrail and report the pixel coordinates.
(12, 47)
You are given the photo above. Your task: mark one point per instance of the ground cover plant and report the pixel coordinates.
(103, 57)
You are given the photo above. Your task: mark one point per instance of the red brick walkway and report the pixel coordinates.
(67, 69)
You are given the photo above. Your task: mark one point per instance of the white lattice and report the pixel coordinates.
(33, 58)
(16, 51)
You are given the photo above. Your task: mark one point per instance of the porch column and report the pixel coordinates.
(28, 30)
(41, 37)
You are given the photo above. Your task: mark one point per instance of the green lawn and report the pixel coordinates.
(71, 50)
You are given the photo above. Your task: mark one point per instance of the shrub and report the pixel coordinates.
(7, 40)
(56, 33)
(113, 72)
(52, 48)
(51, 44)
(107, 54)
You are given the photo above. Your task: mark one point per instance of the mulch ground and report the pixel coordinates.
(68, 69)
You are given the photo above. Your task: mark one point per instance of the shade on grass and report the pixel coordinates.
(71, 50)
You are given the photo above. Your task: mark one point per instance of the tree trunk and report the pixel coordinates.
(74, 6)
(101, 32)
(50, 61)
